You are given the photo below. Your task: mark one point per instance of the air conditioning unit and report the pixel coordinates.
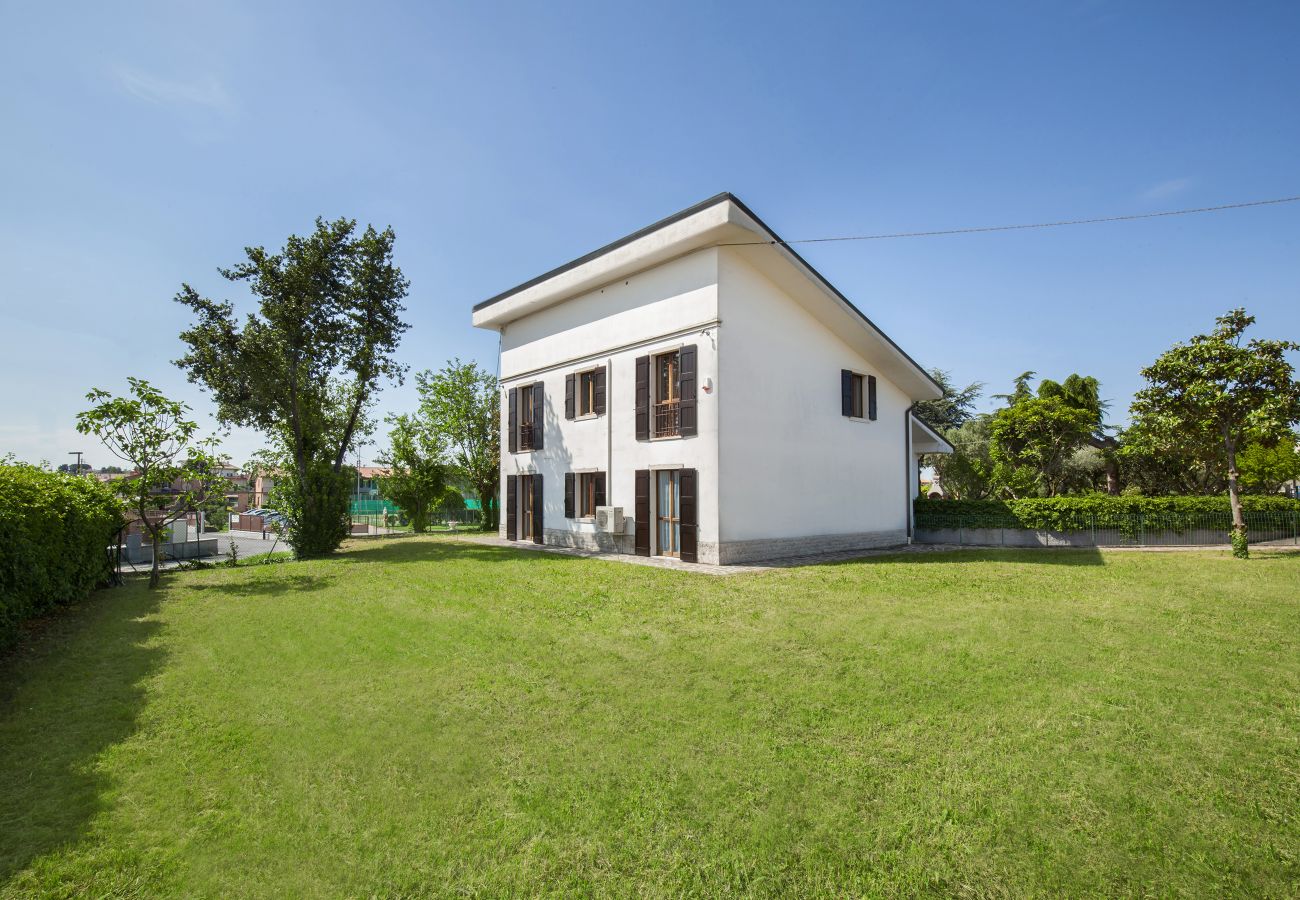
(609, 519)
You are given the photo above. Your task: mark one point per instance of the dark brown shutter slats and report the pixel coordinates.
(600, 391)
(642, 512)
(686, 389)
(600, 489)
(537, 509)
(643, 398)
(512, 505)
(871, 397)
(569, 480)
(512, 421)
(690, 544)
(569, 411)
(539, 415)
(846, 392)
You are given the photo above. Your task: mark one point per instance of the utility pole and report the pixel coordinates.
(77, 454)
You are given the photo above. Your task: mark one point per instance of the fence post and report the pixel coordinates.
(1142, 530)
(1093, 517)
(959, 532)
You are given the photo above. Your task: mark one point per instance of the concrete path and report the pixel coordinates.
(665, 562)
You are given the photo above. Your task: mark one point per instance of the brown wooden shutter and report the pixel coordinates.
(569, 411)
(871, 397)
(512, 423)
(568, 495)
(600, 391)
(846, 392)
(642, 544)
(512, 506)
(537, 509)
(690, 518)
(600, 489)
(643, 398)
(686, 385)
(539, 415)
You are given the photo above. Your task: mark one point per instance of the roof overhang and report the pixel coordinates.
(721, 220)
(926, 440)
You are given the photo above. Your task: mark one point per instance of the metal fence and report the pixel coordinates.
(1116, 530)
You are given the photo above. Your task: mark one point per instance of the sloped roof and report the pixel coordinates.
(721, 220)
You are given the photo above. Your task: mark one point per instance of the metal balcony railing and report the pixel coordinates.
(668, 419)
(525, 437)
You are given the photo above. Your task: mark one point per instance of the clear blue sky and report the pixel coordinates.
(145, 145)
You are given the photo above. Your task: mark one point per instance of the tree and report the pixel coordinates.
(462, 404)
(305, 369)
(967, 472)
(1084, 392)
(1214, 388)
(1035, 436)
(417, 469)
(173, 472)
(1266, 469)
(955, 408)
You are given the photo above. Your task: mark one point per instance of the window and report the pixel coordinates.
(587, 494)
(667, 397)
(526, 417)
(587, 393)
(857, 395)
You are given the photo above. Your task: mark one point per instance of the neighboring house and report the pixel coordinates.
(704, 380)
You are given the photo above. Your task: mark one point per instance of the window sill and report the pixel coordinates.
(668, 437)
(586, 417)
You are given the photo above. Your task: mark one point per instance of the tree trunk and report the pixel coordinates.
(154, 576)
(1239, 546)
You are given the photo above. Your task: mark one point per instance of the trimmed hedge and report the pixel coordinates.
(55, 530)
(1099, 511)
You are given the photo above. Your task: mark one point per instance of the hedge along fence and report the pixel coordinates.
(1125, 514)
(55, 531)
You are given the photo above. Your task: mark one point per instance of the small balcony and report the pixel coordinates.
(668, 419)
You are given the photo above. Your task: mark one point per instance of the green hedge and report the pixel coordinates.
(54, 533)
(1100, 511)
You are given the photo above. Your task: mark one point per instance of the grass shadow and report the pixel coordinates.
(408, 551)
(275, 585)
(68, 692)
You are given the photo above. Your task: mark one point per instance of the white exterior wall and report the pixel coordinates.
(792, 466)
(659, 309)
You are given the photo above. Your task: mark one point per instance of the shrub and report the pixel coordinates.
(55, 530)
(1096, 511)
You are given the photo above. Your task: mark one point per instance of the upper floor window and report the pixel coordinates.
(667, 403)
(857, 395)
(526, 417)
(584, 394)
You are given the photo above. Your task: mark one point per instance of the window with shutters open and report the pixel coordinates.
(857, 395)
(587, 393)
(526, 417)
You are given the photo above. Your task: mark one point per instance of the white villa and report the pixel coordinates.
(697, 390)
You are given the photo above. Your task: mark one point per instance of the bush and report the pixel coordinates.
(1095, 511)
(55, 530)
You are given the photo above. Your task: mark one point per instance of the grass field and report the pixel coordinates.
(421, 717)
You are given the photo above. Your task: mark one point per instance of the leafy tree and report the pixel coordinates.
(174, 474)
(967, 472)
(955, 408)
(417, 469)
(1215, 388)
(1035, 436)
(462, 404)
(1266, 469)
(306, 367)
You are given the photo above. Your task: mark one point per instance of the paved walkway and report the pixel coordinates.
(665, 562)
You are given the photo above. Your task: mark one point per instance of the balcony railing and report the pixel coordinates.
(668, 419)
(525, 437)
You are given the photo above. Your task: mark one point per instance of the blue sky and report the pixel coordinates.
(146, 145)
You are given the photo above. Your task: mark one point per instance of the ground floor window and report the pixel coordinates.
(587, 494)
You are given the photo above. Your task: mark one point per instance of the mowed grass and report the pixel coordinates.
(424, 717)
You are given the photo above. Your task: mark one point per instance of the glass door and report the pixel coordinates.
(668, 513)
(526, 507)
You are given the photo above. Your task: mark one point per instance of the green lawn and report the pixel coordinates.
(424, 717)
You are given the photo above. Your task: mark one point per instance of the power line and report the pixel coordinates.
(987, 228)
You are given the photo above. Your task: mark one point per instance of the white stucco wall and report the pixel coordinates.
(659, 309)
(791, 465)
